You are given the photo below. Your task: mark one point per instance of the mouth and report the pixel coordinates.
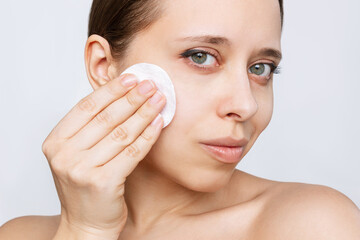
(224, 154)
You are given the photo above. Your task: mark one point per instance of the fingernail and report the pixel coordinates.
(157, 120)
(155, 98)
(146, 87)
(129, 81)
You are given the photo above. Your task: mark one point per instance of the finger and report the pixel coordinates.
(126, 133)
(126, 161)
(88, 107)
(115, 114)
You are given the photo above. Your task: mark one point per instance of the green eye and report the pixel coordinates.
(260, 69)
(199, 58)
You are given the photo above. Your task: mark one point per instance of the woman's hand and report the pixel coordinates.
(94, 148)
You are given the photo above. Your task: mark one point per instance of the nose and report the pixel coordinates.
(238, 101)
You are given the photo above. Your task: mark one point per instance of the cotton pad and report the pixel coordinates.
(163, 82)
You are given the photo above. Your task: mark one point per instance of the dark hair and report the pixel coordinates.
(281, 12)
(118, 21)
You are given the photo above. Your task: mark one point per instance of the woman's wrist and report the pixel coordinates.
(70, 232)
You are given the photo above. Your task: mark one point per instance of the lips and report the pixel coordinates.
(226, 142)
(226, 150)
(224, 154)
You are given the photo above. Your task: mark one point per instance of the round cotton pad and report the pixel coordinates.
(163, 82)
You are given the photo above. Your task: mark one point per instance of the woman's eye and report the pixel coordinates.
(200, 58)
(261, 69)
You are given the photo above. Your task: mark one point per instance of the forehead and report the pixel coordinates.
(243, 22)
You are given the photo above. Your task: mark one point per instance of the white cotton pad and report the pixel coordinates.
(163, 82)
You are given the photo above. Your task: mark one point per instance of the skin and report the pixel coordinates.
(204, 99)
(177, 194)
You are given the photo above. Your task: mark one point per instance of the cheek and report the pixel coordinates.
(190, 98)
(184, 129)
(189, 108)
(180, 134)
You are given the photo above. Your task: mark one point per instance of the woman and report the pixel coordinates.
(120, 177)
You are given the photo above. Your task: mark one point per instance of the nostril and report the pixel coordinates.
(233, 115)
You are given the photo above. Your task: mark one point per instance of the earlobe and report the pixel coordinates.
(98, 60)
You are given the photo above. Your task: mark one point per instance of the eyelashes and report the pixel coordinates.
(276, 69)
(189, 54)
(199, 54)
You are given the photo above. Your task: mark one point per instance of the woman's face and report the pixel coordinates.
(216, 94)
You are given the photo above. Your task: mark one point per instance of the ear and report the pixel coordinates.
(99, 63)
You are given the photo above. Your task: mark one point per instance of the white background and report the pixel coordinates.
(313, 136)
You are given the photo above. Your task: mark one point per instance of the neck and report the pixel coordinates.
(151, 196)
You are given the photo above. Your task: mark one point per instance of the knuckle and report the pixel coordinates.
(132, 151)
(103, 118)
(45, 147)
(144, 113)
(119, 134)
(147, 136)
(87, 104)
(60, 160)
(131, 98)
(58, 166)
(49, 147)
(76, 174)
(99, 182)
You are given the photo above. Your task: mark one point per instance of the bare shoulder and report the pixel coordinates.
(307, 211)
(30, 227)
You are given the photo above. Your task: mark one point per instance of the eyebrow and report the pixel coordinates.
(219, 40)
(270, 52)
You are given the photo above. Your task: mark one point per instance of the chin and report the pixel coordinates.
(203, 180)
